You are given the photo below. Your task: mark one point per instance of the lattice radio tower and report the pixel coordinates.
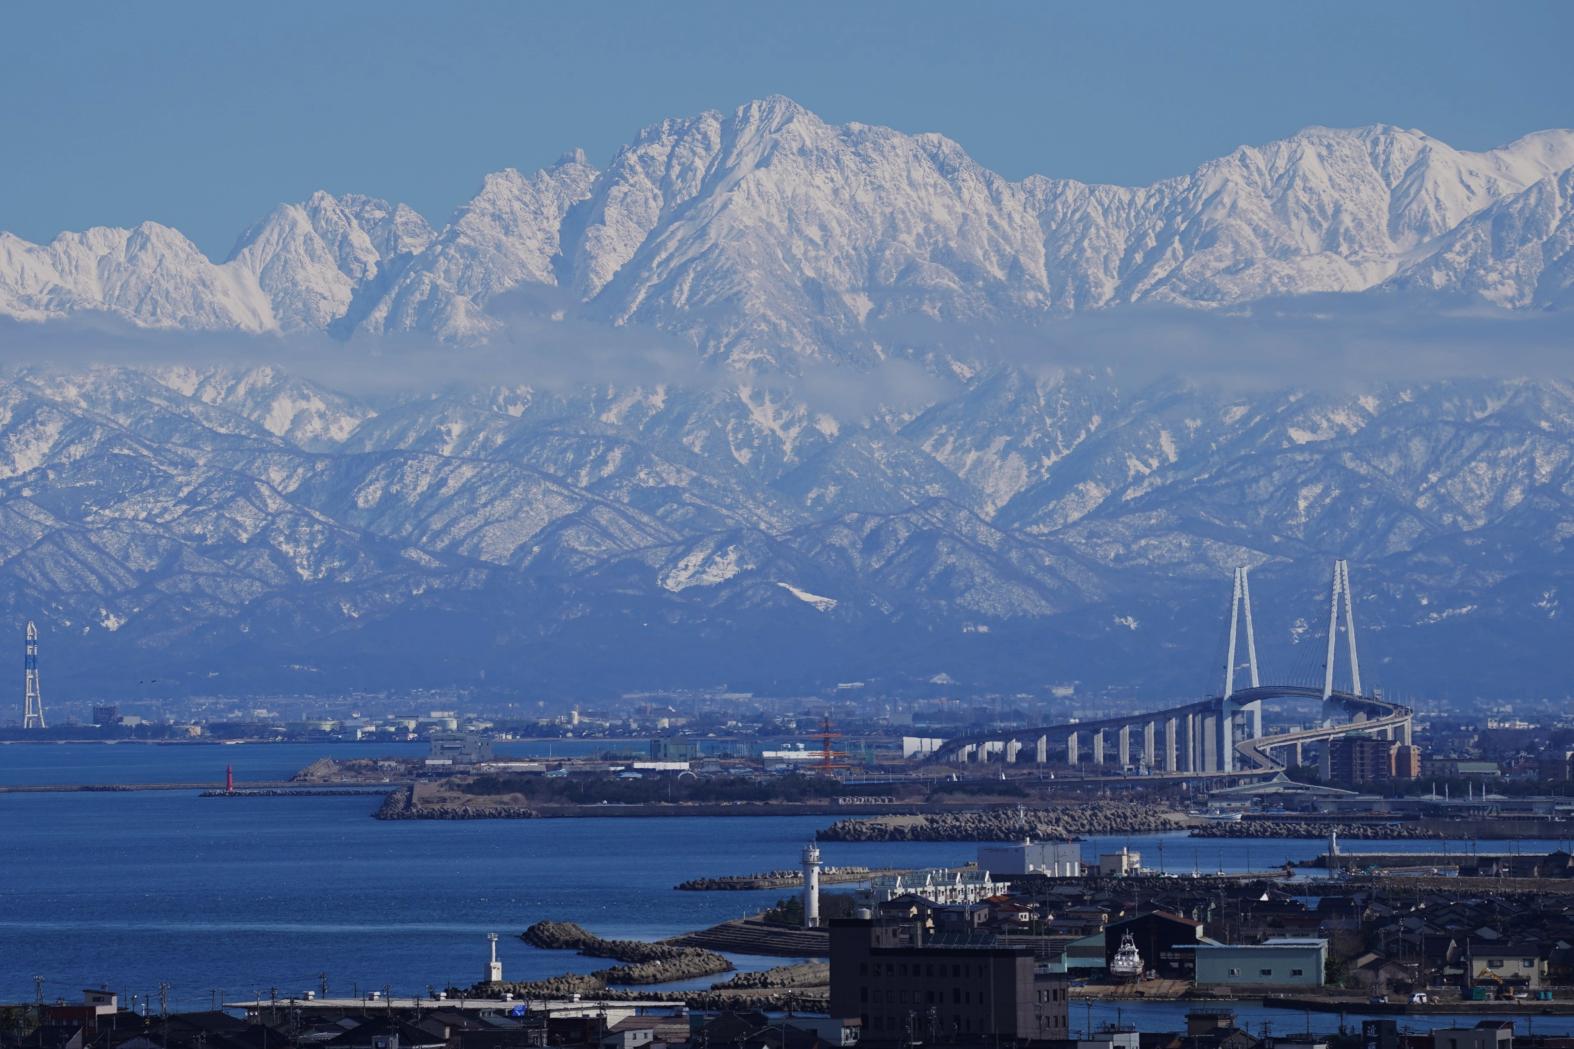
(32, 701)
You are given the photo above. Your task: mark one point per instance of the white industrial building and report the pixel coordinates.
(1058, 859)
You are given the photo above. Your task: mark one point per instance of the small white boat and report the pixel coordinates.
(1127, 963)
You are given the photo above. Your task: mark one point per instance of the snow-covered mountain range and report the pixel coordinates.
(768, 235)
(1008, 523)
(245, 529)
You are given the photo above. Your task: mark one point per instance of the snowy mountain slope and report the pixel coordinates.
(1518, 253)
(151, 276)
(311, 259)
(188, 518)
(505, 236)
(767, 237)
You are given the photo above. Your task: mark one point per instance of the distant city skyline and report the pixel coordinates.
(203, 118)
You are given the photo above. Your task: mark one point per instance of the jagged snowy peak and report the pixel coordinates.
(767, 236)
(784, 235)
(1326, 210)
(1517, 253)
(507, 235)
(312, 258)
(297, 269)
(661, 170)
(151, 276)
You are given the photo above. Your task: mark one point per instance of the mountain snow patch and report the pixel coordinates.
(820, 604)
(703, 568)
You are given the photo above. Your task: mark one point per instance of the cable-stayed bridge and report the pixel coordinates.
(1219, 735)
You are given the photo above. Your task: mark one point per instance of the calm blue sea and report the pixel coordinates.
(235, 897)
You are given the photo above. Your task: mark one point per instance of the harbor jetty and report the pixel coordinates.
(754, 936)
(642, 962)
(1009, 824)
(783, 879)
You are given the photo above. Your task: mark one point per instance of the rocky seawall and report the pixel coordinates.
(1296, 829)
(805, 974)
(642, 962)
(1062, 824)
(294, 792)
(398, 806)
(783, 879)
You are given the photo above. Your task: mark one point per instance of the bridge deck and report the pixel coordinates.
(1377, 715)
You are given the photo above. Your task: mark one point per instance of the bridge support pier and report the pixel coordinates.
(1300, 756)
(1123, 745)
(1404, 732)
(1210, 743)
(1072, 757)
(1171, 764)
(1190, 754)
(1225, 755)
(1254, 711)
(1041, 753)
(1013, 749)
(1098, 746)
(1149, 731)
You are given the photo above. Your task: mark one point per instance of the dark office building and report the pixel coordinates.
(1357, 760)
(106, 715)
(953, 990)
(1167, 943)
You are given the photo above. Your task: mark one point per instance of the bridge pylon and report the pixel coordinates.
(1240, 601)
(1340, 596)
(1241, 598)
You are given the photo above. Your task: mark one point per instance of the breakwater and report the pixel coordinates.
(753, 936)
(782, 879)
(643, 962)
(804, 974)
(1059, 824)
(296, 792)
(399, 805)
(1406, 831)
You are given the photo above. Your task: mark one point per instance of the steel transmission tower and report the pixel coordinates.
(32, 701)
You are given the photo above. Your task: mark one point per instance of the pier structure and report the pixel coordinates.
(1218, 736)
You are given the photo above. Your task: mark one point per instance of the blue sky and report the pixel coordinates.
(204, 115)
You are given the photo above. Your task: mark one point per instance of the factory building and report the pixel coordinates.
(459, 748)
(1282, 962)
(1058, 859)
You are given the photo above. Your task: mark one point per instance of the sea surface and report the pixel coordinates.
(226, 899)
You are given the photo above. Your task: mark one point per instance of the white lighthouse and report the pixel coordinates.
(811, 886)
(494, 968)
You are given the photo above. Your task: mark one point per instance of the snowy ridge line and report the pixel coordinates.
(766, 236)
